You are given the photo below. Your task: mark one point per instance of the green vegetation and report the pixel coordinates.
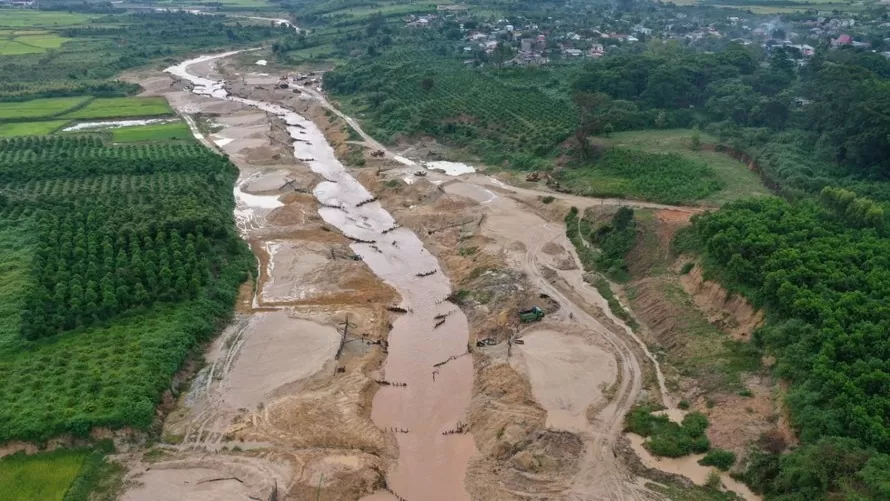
(46, 477)
(39, 108)
(61, 475)
(100, 50)
(499, 116)
(31, 128)
(667, 178)
(176, 131)
(118, 260)
(667, 438)
(615, 240)
(13, 44)
(20, 18)
(737, 180)
(818, 269)
(592, 259)
(122, 107)
(719, 458)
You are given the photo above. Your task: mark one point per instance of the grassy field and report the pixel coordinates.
(119, 107)
(31, 128)
(18, 18)
(738, 180)
(39, 108)
(386, 8)
(176, 131)
(43, 477)
(17, 43)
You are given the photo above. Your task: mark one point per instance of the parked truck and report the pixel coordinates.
(532, 314)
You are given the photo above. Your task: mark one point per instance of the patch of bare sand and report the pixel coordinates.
(236, 478)
(277, 351)
(567, 374)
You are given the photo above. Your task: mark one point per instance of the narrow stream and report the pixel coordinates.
(431, 465)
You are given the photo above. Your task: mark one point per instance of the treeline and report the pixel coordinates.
(831, 114)
(821, 269)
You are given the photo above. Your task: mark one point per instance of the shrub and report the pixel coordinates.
(547, 199)
(684, 404)
(687, 268)
(719, 458)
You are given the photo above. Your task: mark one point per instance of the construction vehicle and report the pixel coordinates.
(532, 314)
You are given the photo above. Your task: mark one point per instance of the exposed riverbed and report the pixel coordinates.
(427, 359)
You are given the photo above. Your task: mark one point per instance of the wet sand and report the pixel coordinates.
(567, 375)
(288, 350)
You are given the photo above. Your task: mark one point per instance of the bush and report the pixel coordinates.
(719, 458)
(667, 438)
(547, 199)
(684, 404)
(687, 268)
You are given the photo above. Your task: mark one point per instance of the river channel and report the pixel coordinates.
(426, 354)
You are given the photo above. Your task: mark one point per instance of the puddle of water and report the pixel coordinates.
(450, 168)
(250, 209)
(431, 466)
(117, 124)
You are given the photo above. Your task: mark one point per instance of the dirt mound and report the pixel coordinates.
(731, 313)
(346, 476)
(553, 248)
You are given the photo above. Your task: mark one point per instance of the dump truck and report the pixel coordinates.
(532, 314)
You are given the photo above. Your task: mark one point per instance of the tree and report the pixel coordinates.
(427, 84)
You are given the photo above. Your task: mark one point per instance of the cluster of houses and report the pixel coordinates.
(534, 44)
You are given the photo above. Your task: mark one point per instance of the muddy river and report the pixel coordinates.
(427, 345)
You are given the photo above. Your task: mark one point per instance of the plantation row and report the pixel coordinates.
(59, 166)
(80, 280)
(14, 150)
(418, 92)
(123, 185)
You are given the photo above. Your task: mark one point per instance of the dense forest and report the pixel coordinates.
(820, 268)
(119, 259)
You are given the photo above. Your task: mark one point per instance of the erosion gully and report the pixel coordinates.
(429, 359)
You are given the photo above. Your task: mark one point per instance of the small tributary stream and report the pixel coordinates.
(432, 463)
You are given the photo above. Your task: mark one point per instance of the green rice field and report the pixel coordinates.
(39, 108)
(119, 107)
(31, 128)
(177, 131)
(43, 477)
